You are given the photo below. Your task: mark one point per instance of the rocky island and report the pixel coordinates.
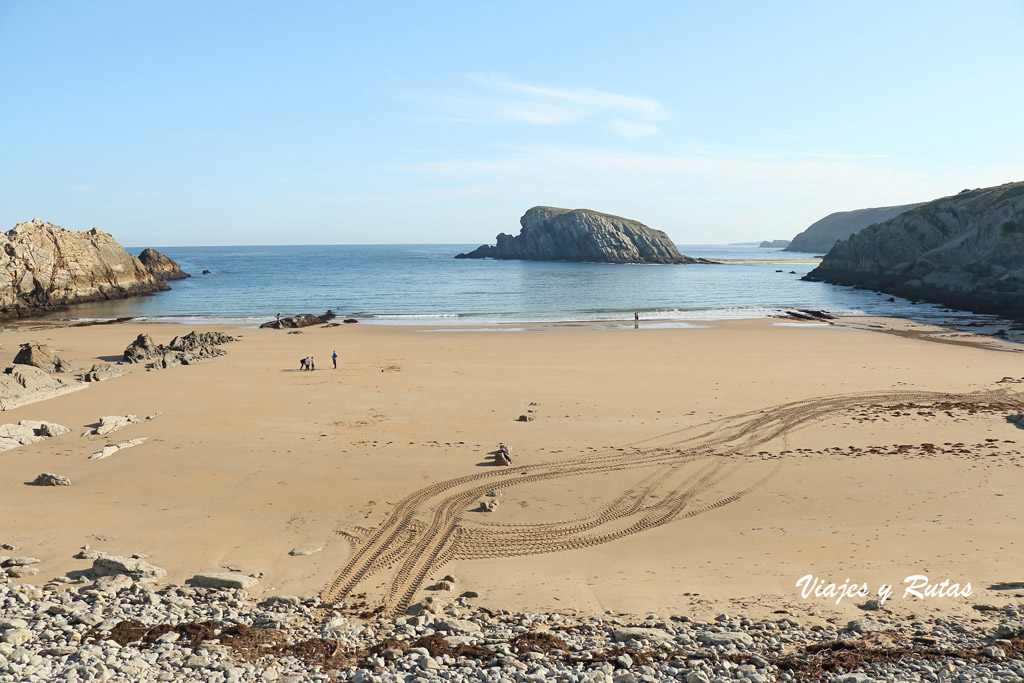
(46, 266)
(821, 235)
(552, 234)
(965, 251)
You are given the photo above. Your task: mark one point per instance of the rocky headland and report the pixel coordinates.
(774, 244)
(822, 235)
(964, 251)
(161, 266)
(46, 266)
(552, 234)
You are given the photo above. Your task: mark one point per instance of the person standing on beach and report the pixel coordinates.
(334, 357)
(312, 364)
(636, 320)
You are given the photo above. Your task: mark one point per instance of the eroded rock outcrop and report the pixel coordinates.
(774, 244)
(300, 320)
(552, 234)
(28, 431)
(161, 266)
(965, 251)
(102, 371)
(24, 384)
(183, 350)
(822, 235)
(42, 357)
(46, 266)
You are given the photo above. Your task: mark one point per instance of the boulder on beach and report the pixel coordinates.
(230, 580)
(51, 479)
(42, 357)
(142, 349)
(101, 372)
(135, 568)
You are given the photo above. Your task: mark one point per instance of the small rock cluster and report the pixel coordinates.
(182, 350)
(118, 625)
(28, 431)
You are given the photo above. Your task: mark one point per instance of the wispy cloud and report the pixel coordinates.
(495, 99)
(843, 156)
(697, 196)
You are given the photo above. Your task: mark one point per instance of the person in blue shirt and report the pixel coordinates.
(334, 357)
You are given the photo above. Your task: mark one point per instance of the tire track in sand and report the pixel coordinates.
(421, 547)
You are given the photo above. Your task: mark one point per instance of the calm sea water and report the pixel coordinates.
(424, 284)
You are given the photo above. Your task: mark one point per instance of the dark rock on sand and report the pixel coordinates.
(552, 234)
(806, 314)
(142, 349)
(822, 235)
(197, 341)
(300, 320)
(161, 266)
(40, 356)
(184, 349)
(51, 479)
(965, 251)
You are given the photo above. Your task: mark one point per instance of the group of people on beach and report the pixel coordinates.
(309, 363)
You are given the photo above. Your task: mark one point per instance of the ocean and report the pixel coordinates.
(426, 285)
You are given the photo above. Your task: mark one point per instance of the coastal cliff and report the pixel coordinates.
(552, 234)
(161, 266)
(821, 235)
(965, 251)
(46, 266)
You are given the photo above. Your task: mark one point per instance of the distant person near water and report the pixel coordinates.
(334, 357)
(636, 320)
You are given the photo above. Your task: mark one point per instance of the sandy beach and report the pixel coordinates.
(695, 470)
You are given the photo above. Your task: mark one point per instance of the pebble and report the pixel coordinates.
(58, 632)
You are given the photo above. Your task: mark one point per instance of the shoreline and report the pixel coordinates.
(961, 328)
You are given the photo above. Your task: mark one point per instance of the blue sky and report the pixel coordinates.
(192, 123)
